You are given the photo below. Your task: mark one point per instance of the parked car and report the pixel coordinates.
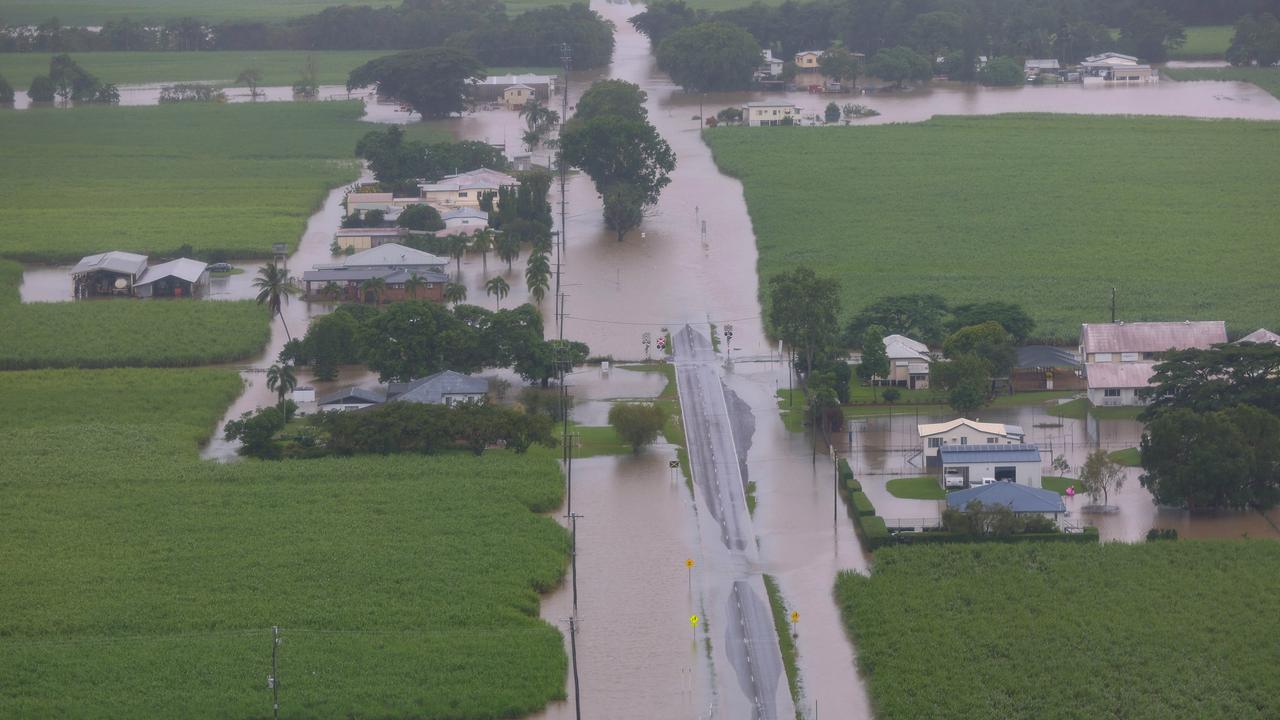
(953, 480)
(221, 268)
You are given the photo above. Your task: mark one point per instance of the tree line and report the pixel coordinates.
(481, 27)
(957, 31)
(413, 339)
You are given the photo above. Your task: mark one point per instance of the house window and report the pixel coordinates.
(992, 441)
(935, 442)
(1129, 357)
(462, 194)
(1111, 392)
(1102, 357)
(964, 441)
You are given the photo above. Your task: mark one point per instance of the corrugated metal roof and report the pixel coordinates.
(464, 212)
(371, 232)
(353, 395)
(432, 389)
(116, 261)
(972, 454)
(1119, 374)
(1019, 498)
(985, 428)
(391, 276)
(182, 268)
(521, 79)
(1151, 336)
(1261, 336)
(393, 255)
(1044, 356)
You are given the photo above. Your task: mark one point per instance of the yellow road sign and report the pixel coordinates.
(689, 563)
(795, 617)
(693, 620)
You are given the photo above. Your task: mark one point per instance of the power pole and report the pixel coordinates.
(1113, 306)
(573, 652)
(573, 556)
(566, 57)
(274, 680)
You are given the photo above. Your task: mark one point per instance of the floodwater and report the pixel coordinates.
(694, 261)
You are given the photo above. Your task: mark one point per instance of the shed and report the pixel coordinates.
(965, 432)
(1261, 336)
(516, 96)
(973, 463)
(465, 220)
(108, 273)
(351, 398)
(183, 277)
(1022, 500)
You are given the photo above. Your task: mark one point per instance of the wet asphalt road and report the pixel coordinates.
(737, 607)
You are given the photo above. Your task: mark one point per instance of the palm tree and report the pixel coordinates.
(455, 293)
(508, 248)
(331, 291)
(537, 275)
(281, 379)
(457, 247)
(413, 285)
(498, 288)
(377, 286)
(482, 242)
(274, 288)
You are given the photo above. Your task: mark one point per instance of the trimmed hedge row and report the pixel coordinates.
(935, 537)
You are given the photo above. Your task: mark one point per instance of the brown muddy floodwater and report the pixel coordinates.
(694, 261)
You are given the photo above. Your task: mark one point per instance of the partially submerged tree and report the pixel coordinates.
(802, 312)
(900, 64)
(251, 77)
(435, 82)
(274, 287)
(1101, 476)
(710, 57)
(420, 217)
(840, 65)
(1205, 460)
(638, 424)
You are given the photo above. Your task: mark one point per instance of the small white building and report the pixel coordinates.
(964, 432)
(973, 464)
(757, 114)
(808, 59)
(1120, 358)
(1034, 66)
(770, 66)
(908, 362)
(465, 189)
(464, 221)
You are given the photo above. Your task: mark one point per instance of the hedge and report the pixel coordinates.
(862, 503)
(932, 537)
(873, 531)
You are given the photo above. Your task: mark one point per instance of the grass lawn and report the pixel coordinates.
(1060, 484)
(95, 12)
(1129, 457)
(916, 488)
(231, 178)
(594, 440)
(1204, 42)
(1266, 78)
(125, 332)
(142, 582)
(786, 643)
(967, 201)
(278, 67)
(1077, 409)
(1142, 631)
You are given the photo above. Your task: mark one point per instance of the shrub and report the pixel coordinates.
(874, 531)
(638, 424)
(41, 89)
(1155, 534)
(891, 395)
(6, 92)
(862, 503)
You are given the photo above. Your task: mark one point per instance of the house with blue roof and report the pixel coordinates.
(1022, 500)
(970, 465)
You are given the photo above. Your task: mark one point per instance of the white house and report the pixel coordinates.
(1112, 67)
(972, 464)
(1120, 358)
(465, 189)
(756, 114)
(908, 362)
(464, 220)
(443, 388)
(770, 66)
(964, 432)
(1034, 66)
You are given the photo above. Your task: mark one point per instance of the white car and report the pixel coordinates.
(953, 481)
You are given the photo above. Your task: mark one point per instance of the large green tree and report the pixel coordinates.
(1216, 379)
(967, 380)
(435, 82)
(841, 65)
(1224, 459)
(413, 339)
(1002, 72)
(611, 97)
(802, 312)
(988, 341)
(1256, 41)
(900, 64)
(920, 317)
(637, 424)
(1152, 33)
(1011, 317)
(875, 361)
(710, 57)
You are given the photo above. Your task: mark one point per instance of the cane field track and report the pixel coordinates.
(278, 67)
(1266, 78)
(229, 179)
(1046, 211)
(125, 332)
(1159, 630)
(142, 582)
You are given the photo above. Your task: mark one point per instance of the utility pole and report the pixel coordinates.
(835, 485)
(566, 57)
(1113, 306)
(573, 652)
(573, 556)
(274, 681)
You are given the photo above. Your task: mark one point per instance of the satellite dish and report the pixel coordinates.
(121, 283)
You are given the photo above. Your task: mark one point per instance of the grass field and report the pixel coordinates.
(1266, 78)
(916, 488)
(1060, 484)
(1156, 630)
(1047, 211)
(1129, 457)
(232, 178)
(120, 333)
(1204, 42)
(1077, 409)
(281, 67)
(95, 12)
(142, 582)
